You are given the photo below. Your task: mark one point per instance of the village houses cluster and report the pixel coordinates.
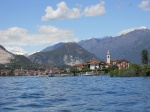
(92, 65)
(22, 71)
(95, 64)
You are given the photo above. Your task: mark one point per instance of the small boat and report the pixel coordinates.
(51, 75)
(40, 75)
(88, 74)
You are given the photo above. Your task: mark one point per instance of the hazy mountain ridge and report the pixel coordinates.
(50, 48)
(132, 29)
(67, 54)
(126, 46)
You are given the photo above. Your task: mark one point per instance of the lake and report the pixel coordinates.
(74, 94)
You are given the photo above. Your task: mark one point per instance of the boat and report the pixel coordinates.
(88, 74)
(51, 75)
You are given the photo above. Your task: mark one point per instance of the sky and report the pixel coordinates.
(33, 25)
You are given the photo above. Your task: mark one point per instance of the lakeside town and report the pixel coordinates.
(91, 67)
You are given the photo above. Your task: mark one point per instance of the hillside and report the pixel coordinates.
(67, 54)
(14, 61)
(5, 56)
(125, 46)
(20, 61)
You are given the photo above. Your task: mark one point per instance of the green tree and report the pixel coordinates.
(145, 56)
(136, 68)
(145, 70)
(73, 70)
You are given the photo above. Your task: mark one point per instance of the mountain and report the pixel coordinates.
(9, 58)
(128, 45)
(50, 48)
(66, 54)
(5, 56)
(17, 50)
(132, 29)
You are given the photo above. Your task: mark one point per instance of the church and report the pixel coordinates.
(95, 64)
(117, 62)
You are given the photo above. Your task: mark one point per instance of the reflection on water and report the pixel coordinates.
(74, 94)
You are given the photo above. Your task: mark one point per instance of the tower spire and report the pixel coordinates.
(108, 57)
(108, 52)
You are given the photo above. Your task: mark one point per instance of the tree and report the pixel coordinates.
(145, 56)
(73, 70)
(146, 70)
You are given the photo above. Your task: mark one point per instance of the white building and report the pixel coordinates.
(108, 57)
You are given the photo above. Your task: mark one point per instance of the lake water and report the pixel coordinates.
(74, 94)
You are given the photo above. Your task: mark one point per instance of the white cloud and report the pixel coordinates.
(144, 5)
(63, 12)
(47, 34)
(95, 10)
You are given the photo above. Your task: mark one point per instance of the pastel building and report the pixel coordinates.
(117, 62)
(95, 64)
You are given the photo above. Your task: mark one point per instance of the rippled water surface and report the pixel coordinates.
(74, 94)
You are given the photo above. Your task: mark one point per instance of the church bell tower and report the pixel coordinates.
(108, 57)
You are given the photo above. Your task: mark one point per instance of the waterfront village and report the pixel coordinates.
(91, 67)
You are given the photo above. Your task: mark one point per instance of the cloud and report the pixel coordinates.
(63, 12)
(144, 5)
(46, 34)
(96, 10)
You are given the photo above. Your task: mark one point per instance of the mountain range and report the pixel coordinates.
(127, 45)
(66, 54)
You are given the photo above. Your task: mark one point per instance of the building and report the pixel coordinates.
(95, 64)
(91, 64)
(79, 66)
(108, 57)
(120, 63)
(117, 62)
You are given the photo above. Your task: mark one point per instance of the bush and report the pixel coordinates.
(145, 70)
(129, 72)
(134, 70)
(114, 73)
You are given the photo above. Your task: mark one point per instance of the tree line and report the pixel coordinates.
(135, 69)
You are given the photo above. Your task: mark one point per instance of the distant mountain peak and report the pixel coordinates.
(67, 54)
(53, 47)
(17, 50)
(132, 29)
